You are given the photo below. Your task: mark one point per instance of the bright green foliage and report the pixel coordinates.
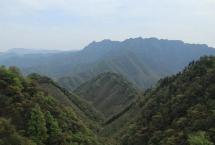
(37, 125)
(52, 125)
(199, 138)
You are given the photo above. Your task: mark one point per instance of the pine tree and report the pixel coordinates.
(37, 125)
(53, 129)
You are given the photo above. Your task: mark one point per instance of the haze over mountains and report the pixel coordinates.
(24, 51)
(141, 61)
(59, 87)
(135, 92)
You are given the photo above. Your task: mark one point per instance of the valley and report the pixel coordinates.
(133, 92)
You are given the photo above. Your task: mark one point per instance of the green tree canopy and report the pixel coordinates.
(37, 125)
(199, 138)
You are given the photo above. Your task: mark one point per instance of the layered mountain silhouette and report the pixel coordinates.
(141, 61)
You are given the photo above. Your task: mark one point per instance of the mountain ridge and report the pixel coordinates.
(141, 61)
(109, 92)
(30, 116)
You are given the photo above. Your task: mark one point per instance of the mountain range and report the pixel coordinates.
(135, 92)
(179, 109)
(141, 61)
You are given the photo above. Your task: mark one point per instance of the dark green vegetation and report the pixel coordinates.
(30, 116)
(110, 93)
(108, 109)
(180, 110)
(67, 98)
(141, 61)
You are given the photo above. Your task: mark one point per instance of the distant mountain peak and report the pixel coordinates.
(140, 39)
(106, 40)
(135, 39)
(102, 41)
(101, 44)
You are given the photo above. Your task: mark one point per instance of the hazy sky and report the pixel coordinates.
(72, 24)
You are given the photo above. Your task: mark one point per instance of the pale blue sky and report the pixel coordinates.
(72, 24)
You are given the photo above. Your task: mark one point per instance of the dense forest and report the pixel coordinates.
(29, 116)
(107, 72)
(109, 92)
(178, 110)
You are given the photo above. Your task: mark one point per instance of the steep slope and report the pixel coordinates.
(86, 111)
(180, 110)
(110, 93)
(29, 116)
(141, 61)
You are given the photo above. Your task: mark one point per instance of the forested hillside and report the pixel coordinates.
(110, 93)
(107, 72)
(89, 115)
(141, 61)
(180, 110)
(30, 116)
